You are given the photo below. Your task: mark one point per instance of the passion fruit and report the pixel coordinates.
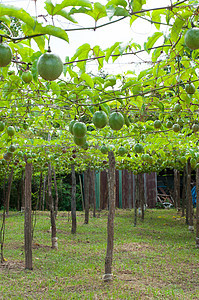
(5, 55)
(49, 66)
(116, 120)
(100, 119)
(191, 38)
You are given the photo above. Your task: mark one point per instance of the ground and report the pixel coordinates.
(157, 259)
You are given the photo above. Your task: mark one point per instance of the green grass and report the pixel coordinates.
(155, 260)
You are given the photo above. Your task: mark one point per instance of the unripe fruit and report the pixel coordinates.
(190, 88)
(79, 129)
(157, 124)
(116, 120)
(27, 76)
(5, 55)
(79, 141)
(2, 126)
(176, 127)
(10, 131)
(138, 148)
(192, 38)
(104, 149)
(177, 107)
(49, 66)
(100, 119)
(169, 124)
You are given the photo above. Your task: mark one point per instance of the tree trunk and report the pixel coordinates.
(9, 191)
(40, 189)
(177, 189)
(136, 198)
(44, 193)
(189, 197)
(56, 193)
(28, 223)
(197, 208)
(92, 191)
(86, 195)
(141, 195)
(51, 207)
(73, 200)
(110, 224)
(184, 192)
(22, 191)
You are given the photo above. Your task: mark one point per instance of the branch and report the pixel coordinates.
(115, 55)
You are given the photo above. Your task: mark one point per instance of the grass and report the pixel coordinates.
(155, 260)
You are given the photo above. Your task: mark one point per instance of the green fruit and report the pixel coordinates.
(29, 160)
(169, 124)
(177, 107)
(195, 127)
(79, 129)
(12, 148)
(122, 151)
(5, 55)
(100, 119)
(71, 126)
(157, 124)
(49, 66)
(2, 126)
(27, 76)
(6, 156)
(116, 120)
(20, 154)
(176, 127)
(25, 126)
(180, 122)
(11, 131)
(85, 146)
(104, 149)
(138, 148)
(191, 38)
(190, 88)
(79, 141)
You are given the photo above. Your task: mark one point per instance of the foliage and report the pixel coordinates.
(42, 107)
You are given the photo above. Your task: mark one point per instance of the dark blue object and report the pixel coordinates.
(193, 192)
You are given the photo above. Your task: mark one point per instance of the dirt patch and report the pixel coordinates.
(133, 247)
(12, 265)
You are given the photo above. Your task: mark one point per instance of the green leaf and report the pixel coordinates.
(110, 50)
(6, 20)
(87, 79)
(73, 3)
(178, 24)
(152, 40)
(156, 17)
(55, 88)
(120, 11)
(98, 12)
(137, 4)
(34, 26)
(99, 53)
(117, 3)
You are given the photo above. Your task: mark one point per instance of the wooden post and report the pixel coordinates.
(92, 190)
(197, 208)
(86, 195)
(110, 224)
(40, 189)
(136, 198)
(189, 197)
(28, 210)
(9, 191)
(184, 192)
(177, 189)
(52, 212)
(56, 193)
(73, 200)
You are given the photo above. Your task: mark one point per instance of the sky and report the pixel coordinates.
(104, 37)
